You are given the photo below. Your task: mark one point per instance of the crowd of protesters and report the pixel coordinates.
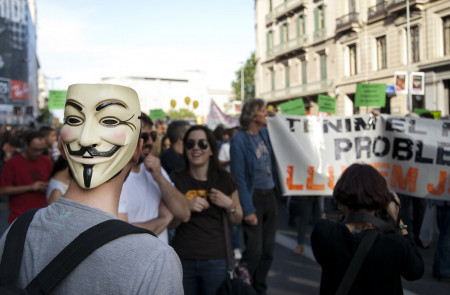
(186, 179)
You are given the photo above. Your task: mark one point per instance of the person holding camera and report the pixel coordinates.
(361, 193)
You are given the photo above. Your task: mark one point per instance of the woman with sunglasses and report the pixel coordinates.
(212, 192)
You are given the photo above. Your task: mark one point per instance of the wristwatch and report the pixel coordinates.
(233, 210)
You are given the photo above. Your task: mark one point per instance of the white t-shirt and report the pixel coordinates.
(56, 185)
(224, 154)
(140, 198)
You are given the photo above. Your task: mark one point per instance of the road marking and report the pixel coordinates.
(291, 244)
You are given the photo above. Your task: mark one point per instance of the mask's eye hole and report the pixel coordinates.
(74, 121)
(109, 121)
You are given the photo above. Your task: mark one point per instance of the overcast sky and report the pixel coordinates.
(81, 41)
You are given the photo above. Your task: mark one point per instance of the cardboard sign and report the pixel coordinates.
(157, 114)
(327, 104)
(56, 99)
(293, 107)
(372, 95)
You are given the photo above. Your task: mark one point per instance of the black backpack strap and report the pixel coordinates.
(80, 248)
(13, 248)
(356, 262)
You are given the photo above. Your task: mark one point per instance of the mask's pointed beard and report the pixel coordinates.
(87, 175)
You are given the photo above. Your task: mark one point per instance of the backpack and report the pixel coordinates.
(63, 264)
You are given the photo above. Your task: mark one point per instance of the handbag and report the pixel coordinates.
(233, 285)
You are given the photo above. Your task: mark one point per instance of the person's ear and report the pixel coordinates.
(60, 148)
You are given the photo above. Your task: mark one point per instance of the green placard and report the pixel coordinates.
(157, 114)
(56, 99)
(327, 104)
(293, 107)
(419, 111)
(370, 95)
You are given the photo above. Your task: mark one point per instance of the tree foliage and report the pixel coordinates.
(249, 79)
(182, 114)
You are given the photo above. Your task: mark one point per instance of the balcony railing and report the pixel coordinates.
(377, 11)
(269, 18)
(293, 44)
(398, 5)
(348, 21)
(287, 6)
(298, 90)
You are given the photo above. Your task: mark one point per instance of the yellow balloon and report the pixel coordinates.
(195, 103)
(270, 108)
(187, 100)
(173, 103)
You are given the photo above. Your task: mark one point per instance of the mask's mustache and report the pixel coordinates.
(92, 151)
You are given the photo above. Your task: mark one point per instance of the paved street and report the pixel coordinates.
(294, 274)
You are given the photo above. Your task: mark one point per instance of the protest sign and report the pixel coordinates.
(293, 107)
(56, 99)
(157, 114)
(327, 104)
(413, 154)
(370, 95)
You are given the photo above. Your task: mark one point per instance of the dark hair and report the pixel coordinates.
(362, 187)
(218, 132)
(214, 169)
(58, 165)
(145, 120)
(162, 142)
(249, 110)
(175, 129)
(30, 135)
(45, 130)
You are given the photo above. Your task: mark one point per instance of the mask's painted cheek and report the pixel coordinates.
(115, 136)
(67, 134)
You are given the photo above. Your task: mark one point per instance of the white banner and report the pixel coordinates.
(412, 154)
(216, 117)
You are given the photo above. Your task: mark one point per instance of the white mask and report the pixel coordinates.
(100, 131)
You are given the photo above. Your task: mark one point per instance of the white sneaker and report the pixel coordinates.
(237, 254)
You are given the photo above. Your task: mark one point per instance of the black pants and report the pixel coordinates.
(260, 239)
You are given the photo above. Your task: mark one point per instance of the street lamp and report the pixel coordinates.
(52, 79)
(408, 56)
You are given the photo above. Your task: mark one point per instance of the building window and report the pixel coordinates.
(301, 28)
(446, 22)
(304, 78)
(319, 17)
(415, 52)
(381, 53)
(323, 66)
(270, 5)
(352, 59)
(287, 73)
(269, 40)
(284, 33)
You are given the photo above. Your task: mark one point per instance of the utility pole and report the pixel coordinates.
(408, 56)
(242, 82)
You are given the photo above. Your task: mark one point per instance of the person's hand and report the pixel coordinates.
(39, 186)
(219, 199)
(251, 219)
(198, 204)
(393, 207)
(153, 165)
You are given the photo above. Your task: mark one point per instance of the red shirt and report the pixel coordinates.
(20, 171)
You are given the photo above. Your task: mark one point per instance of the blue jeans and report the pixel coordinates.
(442, 255)
(203, 276)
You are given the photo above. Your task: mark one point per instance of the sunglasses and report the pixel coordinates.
(202, 143)
(146, 135)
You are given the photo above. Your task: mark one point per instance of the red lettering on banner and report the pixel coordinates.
(409, 180)
(379, 166)
(310, 181)
(290, 180)
(440, 187)
(331, 177)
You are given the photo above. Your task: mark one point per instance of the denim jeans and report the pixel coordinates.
(442, 255)
(203, 276)
(260, 239)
